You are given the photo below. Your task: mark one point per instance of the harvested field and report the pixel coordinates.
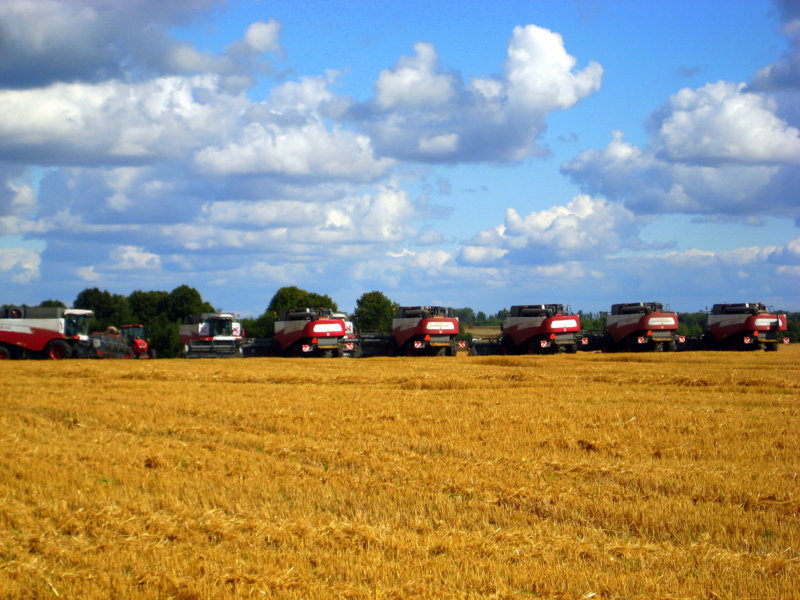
(580, 476)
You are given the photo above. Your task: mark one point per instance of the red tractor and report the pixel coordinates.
(743, 326)
(416, 331)
(44, 332)
(136, 337)
(640, 326)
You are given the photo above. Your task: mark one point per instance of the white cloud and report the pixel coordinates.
(19, 265)
(263, 36)
(134, 258)
(414, 82)
(88, 273)
(584, 227)
(114, 122)
(423, 114)
(310, 150)
(720, 123)
(541, 75)
(649, 184)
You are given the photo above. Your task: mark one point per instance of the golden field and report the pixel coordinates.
(585, 476)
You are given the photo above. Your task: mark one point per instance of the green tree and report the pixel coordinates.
(184, 301)
(109, 309)
(52, 303)
(290, 297)
(374, 312)
(692, 324)
(146, 306)
(465, 315)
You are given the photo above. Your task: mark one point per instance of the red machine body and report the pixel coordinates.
(540, 328)
(308, 332)
(424, 330)
(43, 332)
(743, 326)
(640, 326)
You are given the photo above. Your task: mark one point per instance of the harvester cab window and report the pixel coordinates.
(218, 327)
(76, 325)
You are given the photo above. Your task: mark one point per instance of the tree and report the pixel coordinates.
(374, 312)
(146, 306)
(184, 301)
(465, 315)
(290, 297)
(52, 304)
(109, 309)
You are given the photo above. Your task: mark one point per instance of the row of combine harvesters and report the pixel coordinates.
(528, 329)
(57, 333)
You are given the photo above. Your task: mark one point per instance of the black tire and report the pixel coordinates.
(771, 347)
(5, 353)
(153, 353)
(572, 348)
(58, 350)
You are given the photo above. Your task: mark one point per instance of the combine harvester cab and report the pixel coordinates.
(211, 335)
(640, 327)
(307, 332)
(533, 329)
(44, 332)
(744, 326)
(416, 331)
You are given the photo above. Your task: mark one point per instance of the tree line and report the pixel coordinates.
(162, 312)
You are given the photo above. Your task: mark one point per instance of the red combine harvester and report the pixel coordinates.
(416, 331)
(640, 326)
(44, 332)
(743, 326)
(211, 335)
(534, 329)
(307, 332)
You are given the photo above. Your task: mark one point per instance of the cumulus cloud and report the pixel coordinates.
(721, 123)
(307, 150)
(784, 74)
(114, 122)
(421, 113)
(47, 41)
(718, 150)
(134, 258)
(584, 227)
(19, 265)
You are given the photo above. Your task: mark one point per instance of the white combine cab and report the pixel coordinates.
(44, 332)
(211, 335)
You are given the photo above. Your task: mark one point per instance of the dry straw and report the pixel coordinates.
(587, 476)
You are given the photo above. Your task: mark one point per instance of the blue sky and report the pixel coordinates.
(470, 154)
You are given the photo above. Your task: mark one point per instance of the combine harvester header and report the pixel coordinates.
(211, 335)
